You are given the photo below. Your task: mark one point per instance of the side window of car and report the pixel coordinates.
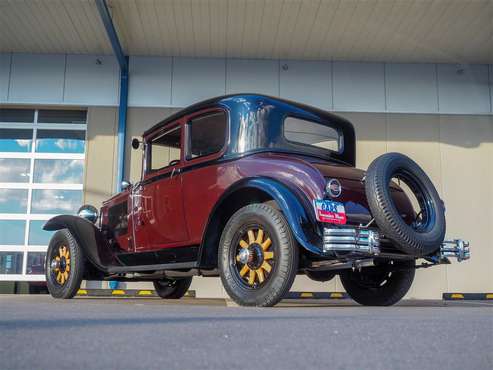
(207, 134)
(165, 150)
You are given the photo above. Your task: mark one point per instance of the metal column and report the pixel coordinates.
(124, 77)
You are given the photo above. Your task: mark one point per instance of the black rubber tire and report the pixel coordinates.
(286, 264)
(71, 286)
(391, 292)
(405, 238)
(172, 288)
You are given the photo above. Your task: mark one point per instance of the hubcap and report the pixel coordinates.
(60, 265)
(254, 259)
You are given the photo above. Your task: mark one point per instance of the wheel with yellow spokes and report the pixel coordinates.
(258, 258)
(64, 265)
(254, 256)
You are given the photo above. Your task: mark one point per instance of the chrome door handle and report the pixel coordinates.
(175, 171)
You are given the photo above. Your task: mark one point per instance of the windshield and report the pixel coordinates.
(311, 133)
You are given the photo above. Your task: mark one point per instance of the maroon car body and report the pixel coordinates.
(207, 162)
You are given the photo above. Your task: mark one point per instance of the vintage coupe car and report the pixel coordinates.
(257, 189)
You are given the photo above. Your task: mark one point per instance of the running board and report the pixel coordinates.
(163, 266)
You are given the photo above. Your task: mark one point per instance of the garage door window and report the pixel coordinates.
(41, 175)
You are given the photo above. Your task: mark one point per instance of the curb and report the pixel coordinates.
(467, 296)
(127, 293)
(124, 293)
(316, 295)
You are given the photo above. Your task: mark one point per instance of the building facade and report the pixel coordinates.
(58, 138)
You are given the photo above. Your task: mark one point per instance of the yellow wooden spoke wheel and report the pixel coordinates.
(255, 256)
(60, 264)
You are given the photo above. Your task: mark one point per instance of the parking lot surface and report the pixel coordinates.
(38, 332)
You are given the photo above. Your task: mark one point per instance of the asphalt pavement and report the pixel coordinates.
(38, 332)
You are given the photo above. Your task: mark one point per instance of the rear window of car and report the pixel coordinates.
(301, 131)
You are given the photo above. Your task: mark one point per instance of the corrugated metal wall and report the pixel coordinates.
(177, 82)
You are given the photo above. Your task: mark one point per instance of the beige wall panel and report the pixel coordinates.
(100, 167)
(371, 136)
(418, 136)
(467, 155)
(139, 120)
(304, 284)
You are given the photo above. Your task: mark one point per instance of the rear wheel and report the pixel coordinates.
(172, 288)
(381, 285)
(64, 265)
(258, 257)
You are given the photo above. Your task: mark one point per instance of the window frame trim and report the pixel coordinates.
(341, 135)
(188, 136)
(149, 173)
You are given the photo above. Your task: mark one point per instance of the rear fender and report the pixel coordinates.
(295, 208)
(296, 212)
(94, 244)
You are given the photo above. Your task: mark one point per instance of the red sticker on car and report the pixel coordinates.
(329, 211)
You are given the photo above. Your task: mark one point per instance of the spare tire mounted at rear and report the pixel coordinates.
(425, 235)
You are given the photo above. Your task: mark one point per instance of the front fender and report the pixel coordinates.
(94, 244)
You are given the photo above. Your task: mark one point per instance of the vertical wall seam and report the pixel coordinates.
(64, 79)
(171, 81)
(437, 83)
(385, 87)
(490, 80)
(442, 183)
(331, 63)
(226, 75)
(279, 77)
(11, 61)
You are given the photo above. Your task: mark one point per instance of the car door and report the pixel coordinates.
(158, 212)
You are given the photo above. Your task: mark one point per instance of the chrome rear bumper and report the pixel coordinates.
(351, 240)
(364, 241)
(456, 248)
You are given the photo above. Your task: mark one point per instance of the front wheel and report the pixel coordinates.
(381, 285)
(258, 257)
(172, 289)
(64, 265)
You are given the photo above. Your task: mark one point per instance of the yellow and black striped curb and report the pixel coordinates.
(316, 295)
(191, 294)
(467, 296)
(124, 293)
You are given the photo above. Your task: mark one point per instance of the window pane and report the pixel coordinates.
(56, 201)
(16, 115)
(165, 149)
(36, 263)
(61, 116)
(208, 134)
(60, 141)
(14, 170)
(11, 262)
(12, 232)
(15, 140)
(62, 171)
(38, 236)
(311, 133)
(13, 200)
